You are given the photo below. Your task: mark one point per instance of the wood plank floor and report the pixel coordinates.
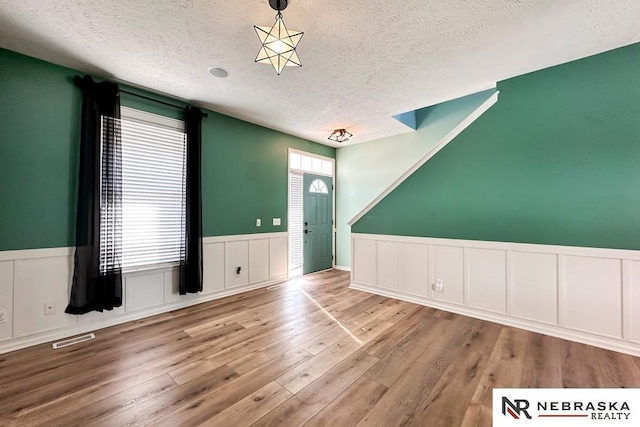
(312, 352)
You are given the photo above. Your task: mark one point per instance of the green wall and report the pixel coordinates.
(555, 161)
(244, 174)
(39, 130)
(244, 166)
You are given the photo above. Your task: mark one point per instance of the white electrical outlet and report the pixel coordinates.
(49, 308)
(439, 285)
(3, 316)
(276, 221)
(258, 222)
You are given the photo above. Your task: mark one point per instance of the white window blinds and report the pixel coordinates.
(153, 189)
(295, 221)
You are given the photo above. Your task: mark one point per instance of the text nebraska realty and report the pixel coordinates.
(598, 410)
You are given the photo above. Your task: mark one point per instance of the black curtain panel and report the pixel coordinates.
(97, 276)
(191, 257)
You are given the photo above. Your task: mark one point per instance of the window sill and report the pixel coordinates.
(146, 269)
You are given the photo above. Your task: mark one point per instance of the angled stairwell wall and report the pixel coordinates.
(530, 216)
(556, 161)
(367, 172)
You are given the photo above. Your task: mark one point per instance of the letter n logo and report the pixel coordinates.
(515, 408)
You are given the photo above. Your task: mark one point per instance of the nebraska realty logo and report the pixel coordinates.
(566, 407)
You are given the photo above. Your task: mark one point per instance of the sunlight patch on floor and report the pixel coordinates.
(330, 316)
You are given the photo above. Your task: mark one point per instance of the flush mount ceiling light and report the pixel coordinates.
(340, 135)
(278, 43)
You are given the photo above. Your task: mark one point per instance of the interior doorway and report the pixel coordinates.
(310, 175)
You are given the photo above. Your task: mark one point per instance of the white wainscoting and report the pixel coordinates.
(30, 279)
(589, 295)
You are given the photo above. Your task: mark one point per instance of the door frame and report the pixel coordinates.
(333, 197)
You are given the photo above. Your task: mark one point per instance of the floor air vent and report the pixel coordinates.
(274, 287)
(74, 340)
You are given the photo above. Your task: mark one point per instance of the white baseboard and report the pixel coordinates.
(342, 267)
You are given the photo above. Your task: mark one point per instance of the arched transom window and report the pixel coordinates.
(318, 186)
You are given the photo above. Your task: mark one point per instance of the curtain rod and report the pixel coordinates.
(157, 101)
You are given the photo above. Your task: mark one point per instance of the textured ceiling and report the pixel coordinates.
(363, 60)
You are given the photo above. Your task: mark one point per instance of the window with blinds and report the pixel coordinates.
(153, 189)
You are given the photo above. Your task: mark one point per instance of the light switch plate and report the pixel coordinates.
(276, 221)
(258, 222)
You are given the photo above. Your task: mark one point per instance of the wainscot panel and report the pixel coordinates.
(414, 271)
(486, 279)
(213, 260)
(631, 271)
(259, 260)
(39, 282)
(591, 294)
(387, 265)
(447, 265)
(6, 298)
(533, 279)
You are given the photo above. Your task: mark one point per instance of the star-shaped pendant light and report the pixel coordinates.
(278, 43)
